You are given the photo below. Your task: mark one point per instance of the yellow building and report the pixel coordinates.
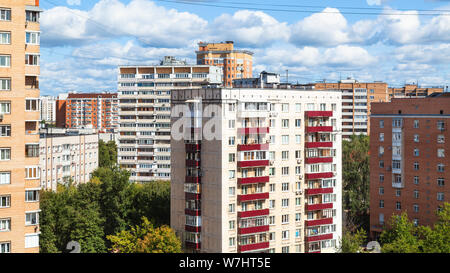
(19, 124)
(236, 64)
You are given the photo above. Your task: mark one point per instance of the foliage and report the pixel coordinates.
(355, 161)
(107, 154)
(352, 243)
(145, 239)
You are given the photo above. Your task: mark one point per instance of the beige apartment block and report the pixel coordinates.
(144, 113)
(66, 157)
(19, 126)
(256, 170)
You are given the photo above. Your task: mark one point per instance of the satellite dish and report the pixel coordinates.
(374, 246)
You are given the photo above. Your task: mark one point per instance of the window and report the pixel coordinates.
(381, 178)
(416, 166)
(5, 107)
(298, 139)
(298, 123)
(5, 224)
(32, 150)
(398, 205)
(440, 196)
(231, 174)
(285, 139)
(440, 182)
(32, 59)
(5, 154)
(285, 203)
(5, 60)
(416, 208)
(285, 123)
(285, 155)
(381, 164)
(5, 178)
(398, 193)
(298, 201)
(381, 138)
(32, 16)
(285, 171)
(5, 201)
(416, 194)
(32, 196)
(231, 141)
(231, 157)
(285, 187)
(231, 124)
(381, 123)
(33, 38)
(231, 224)
(5, 15)
(32, 105)
(416, 138)
(271, 171)
(285, 249)
(231, 208)
(440, 139)
(381, 150)
(440, 167)
(416, 124)
(298, 107)
(416, 180)
(5, 130)
(285, 107)
(381, 191)
(381, 205)
(396, 122)
(232, 241)
(231, 191)
(298, 217)
(323, 107)
(440, 153)
(272, 123)
(285, 234)
(440, 125)
(416, 152)
(5, 84)
(285, 219)
(5, 247)
(5, 38)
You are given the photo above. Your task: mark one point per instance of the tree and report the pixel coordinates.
(356, 192)
(145, 239)
(352, 243)
(437, 239)
(107, 154)
(401, 236)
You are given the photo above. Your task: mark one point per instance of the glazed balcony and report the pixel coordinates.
(253, 130)
(318, 191)
(253, 213)
(253, 196)
(319, 237)
(313, 114)
(251, 147)
(255, 246)
(253, 163)
(250, 230)
(322, 206)
(253, 180)
(319, 222)
(311, 176)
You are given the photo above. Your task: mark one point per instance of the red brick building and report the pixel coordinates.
(410, 157)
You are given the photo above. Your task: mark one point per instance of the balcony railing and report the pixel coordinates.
(253, 163)
(250, 147)
(318, 191)
(319, 175)
(193, 212)
(252, 180)
(195, 246)
(255, 246)
(254, 196)
(255, 130)
(319, 237)
(253, 213)
(326, 221)
(315, 129)
(249, 230)
(319, 144)
(319, 206)
(311, 114)
(314, 160)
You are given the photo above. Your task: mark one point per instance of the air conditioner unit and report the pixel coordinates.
(298, 193)
(271, 162)
(299, 161)
(300, 176)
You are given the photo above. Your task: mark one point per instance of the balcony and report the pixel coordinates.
(193, 179)
(193, 228)
(193, 212)
(319, 191)
(195, 246)
(319, 206)
(319, 237)
(319, 144)
(253, 213)
(319, 175)
(314, 160)
(192, 163)
(193, 147)
(326, 221)
(251, 147)
(316, 129)
(253, 180)
(255, 130)
(253, 163)
(255, 246)
(249, 230)
(254, 196)
(192, 196)
(312, 114)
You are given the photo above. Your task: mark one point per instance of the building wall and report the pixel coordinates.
(427, 112)
(20, 90)
(48, 109)
(412, 90)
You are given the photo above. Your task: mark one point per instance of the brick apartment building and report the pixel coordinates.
(409, 161)
(19, 126)
(413, 91)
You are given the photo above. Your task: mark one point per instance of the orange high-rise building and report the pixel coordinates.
(19, 126)
(236, 64)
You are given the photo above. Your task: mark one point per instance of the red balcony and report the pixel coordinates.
(319, 144)
(193, 147)
(312, 114)
(192, 196)
(251, 197)
(193, 179)
(315, 129)
(192, 228)
(192, 245)
(253, 180)
(251, 247)
(253, 213)
(193, 212)
(253, 163)
(326, 221)
(314, 160)
(319, 237)
(192, 163)
(253, 147)
(319, 206)
(319, 191)
(250, 230)
(319, 175)
(253, 131)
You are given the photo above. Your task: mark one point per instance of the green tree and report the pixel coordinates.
(145, 239)
(352, 243)
(437, 239)
(107, 154)
(355, 161)
(400, 236)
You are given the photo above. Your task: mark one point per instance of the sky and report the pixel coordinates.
(395, 41)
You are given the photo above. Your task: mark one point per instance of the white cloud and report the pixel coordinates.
(376, 2)
(73, 2)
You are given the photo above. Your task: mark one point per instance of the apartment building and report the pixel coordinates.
(413, 91)
(356, 100)
(66, 156)
(236, 64)
(48, 109)
(19, 125)
(257, 170)
(144, 113)
(88, 110)
(409, 157)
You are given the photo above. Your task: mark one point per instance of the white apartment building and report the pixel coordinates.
(144, 113)
(48, 109)
(65, 156)
(256, 170)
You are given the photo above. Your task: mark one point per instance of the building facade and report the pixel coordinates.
(19, 126)
(89, 110)
(409, 157)
(236, 64)
(48, 109)
(66, 156)
(144, 113)
(258, 170)
(413, 91)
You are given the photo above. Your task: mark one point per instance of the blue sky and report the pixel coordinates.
(396, 41)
